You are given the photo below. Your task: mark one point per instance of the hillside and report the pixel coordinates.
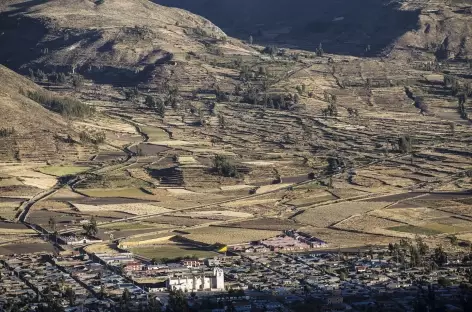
(203, 128)
(115, 41)
(30, 131)
(341, 25)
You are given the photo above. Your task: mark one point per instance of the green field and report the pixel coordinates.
(445, 228)
(60, 171)
(172, 252)
(121, 226)
(119, 192)
(415, 230)
(155, 134)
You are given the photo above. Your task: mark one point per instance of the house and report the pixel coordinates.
(133, 266)
(192, 263)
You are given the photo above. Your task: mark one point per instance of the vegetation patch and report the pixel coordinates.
(444, 228)
(167, 253)
(155, 134)
(119, 226)
(272, 224)
(65, 106)
(414, 230)
(119, 192)
(60, 171)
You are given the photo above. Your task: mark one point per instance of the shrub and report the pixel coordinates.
(405, 144)
(5, 132)
(271, 50)
(77, 81)
(96, 139)
(63, 105)
(420, 104)
(224, 167)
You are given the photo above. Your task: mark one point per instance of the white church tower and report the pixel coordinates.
(219, 279)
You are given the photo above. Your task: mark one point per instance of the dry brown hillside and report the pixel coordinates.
(28, 130)
(115, 41)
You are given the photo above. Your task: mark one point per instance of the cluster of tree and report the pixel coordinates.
(331, 110)
(330, 98)
(271, 50)
(224, 167)
(91, 228)
(156, 105)
(276, 101)
(453, 83)
(336, 164)
(353, 112)
(172, 260)
(221, 96)
(416, 251)
(5, 132)
(177, 302)
(65, 106)
(97, 138)
(131, 94)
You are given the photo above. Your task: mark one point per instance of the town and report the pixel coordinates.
(402, 277)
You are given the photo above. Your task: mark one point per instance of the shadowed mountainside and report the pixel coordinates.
(342, 26)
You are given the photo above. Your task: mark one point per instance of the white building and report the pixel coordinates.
(195, 282)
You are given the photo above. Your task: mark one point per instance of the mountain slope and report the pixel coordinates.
(115, 41)
(343, 26)
(38, 134)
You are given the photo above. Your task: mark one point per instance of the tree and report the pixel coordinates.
(126, 296)
(444, 282)
(77, 82)
(153, 305)
(453, 239)
(52, 224)
(319, 51)
(422, 246)
(440, 256)
(156, 105)
(70, 294)
(177, 301)
(405, 144)
(91, 228)
(131, 94)
(224, 167)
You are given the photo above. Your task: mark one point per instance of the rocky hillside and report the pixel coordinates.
(112, 40)
(28, 131)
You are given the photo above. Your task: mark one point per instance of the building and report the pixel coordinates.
(198, 282)
(133, 266)
(192, 263)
